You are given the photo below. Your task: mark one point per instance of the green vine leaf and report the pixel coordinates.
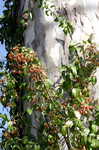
(29, 111)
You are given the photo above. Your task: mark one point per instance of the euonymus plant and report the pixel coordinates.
(69, 110)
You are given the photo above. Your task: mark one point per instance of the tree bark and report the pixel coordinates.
(46, 38)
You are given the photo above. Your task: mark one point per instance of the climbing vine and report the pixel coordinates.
(59, 17)
(26, 83)
(69, 111)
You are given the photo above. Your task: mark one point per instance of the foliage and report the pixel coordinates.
(12, 25)
(59, 17)
(26, 83)
(69, 111)
(10, 28)
(78, 79)
(24, 65)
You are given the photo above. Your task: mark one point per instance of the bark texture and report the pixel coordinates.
(48, 40)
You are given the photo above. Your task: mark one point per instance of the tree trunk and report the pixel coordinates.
(45, 36)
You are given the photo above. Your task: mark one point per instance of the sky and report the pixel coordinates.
(2, 47)
(2, 57)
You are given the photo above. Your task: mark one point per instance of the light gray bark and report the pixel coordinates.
(48, 40)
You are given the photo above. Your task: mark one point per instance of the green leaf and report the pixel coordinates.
(76, 92)
(29, 111)
(36, 147)
(95, 143)
(64, 130)
(31, 16)
(22, 21)
(4, 117)
(86, 131)
(85, 139)
(78, 123)
(74, 70)
(93, 80)
(16, 147)
(94, 128)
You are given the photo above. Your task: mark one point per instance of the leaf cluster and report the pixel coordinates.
(68, 111)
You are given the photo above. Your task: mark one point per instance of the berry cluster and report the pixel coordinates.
(24, 60)
(85, 106)
(85, 109)
(37, 73)
(92, 54)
